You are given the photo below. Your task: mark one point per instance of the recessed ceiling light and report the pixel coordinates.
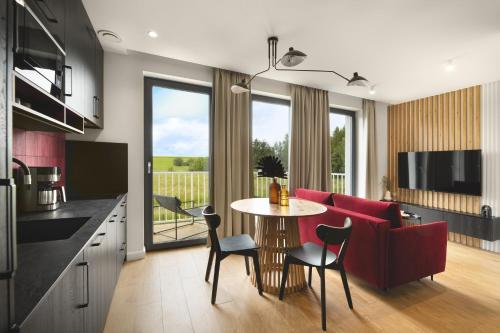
(449, 66)
(152, 34)
(372, 90)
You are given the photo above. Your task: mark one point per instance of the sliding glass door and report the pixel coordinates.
(343, 150)
(176, 150)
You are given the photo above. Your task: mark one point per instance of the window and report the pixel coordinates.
(342, 145)
(270, 136)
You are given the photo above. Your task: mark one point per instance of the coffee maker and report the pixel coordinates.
(42, 194)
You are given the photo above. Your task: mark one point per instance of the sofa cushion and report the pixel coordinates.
(316, 196)
(381, 209)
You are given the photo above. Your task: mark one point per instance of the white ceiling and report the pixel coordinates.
(401, 46)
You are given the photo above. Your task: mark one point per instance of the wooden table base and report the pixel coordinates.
(276, 235)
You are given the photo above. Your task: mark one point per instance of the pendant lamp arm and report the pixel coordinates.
(268, 63)
(309, 70)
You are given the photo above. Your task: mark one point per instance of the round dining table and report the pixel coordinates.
(277, 231)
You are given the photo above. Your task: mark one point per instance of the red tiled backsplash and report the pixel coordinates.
(39, 148)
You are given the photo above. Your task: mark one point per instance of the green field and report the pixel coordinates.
(192, 163)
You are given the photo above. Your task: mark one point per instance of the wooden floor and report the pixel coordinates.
(166, 292)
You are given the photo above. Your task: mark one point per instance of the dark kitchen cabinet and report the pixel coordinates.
(75, 56)
(52, 14)
(80, 299)
(95, 255)
(99, 88)
(62, 308)
(111, 253)
(84, 58)
(121, 236)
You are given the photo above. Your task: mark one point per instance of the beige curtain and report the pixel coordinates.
(231, 170)
(369, 160)
(310, 164)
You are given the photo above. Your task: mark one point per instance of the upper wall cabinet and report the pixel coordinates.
(84, 59)
(58, 62)
(52, 14)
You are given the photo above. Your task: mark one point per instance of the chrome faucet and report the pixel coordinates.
(26, 171)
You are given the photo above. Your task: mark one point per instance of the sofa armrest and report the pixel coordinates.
(366, 255)
(416, 252)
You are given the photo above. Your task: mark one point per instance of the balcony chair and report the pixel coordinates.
(242, 245)
(314, 255)
(174, 205)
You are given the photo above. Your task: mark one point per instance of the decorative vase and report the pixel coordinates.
(274, 192)
(283, 196)
(387, 196)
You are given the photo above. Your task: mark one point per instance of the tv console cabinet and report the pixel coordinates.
(473, 225)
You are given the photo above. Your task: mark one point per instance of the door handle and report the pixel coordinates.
(11, 232)
(149, 167)
(85, 265)
(66, 67)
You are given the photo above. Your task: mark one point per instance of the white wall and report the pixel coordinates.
(124, 120)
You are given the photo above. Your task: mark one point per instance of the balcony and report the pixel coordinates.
(192, 188)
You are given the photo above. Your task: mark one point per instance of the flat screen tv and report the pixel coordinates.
(457, 171)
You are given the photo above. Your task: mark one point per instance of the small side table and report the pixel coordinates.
(411, 219)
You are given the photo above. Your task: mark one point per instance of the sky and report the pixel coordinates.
(180, 122)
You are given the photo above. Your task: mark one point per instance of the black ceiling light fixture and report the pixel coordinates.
(291, 59)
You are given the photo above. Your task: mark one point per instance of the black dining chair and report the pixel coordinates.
(313, 255)
(242, 245)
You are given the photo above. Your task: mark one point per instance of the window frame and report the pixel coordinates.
(149, 83)
(352, 115)
(271, 100)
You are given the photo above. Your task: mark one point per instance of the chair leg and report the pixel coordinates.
(432, 277)
(256, 266)
(209, 265)
(216, 279)
(284, 277)
(346, 287)
(247, 266)
(309, 282)
(323, 300)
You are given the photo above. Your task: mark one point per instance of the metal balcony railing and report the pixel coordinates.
(193, 187)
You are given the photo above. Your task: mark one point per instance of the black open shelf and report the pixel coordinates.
(35, 109)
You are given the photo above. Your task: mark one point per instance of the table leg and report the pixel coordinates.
(275, 236)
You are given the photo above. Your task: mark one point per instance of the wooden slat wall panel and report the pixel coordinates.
(450, 121)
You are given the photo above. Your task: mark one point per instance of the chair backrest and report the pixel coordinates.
(334, 236)
(213, 222)
(171, 203)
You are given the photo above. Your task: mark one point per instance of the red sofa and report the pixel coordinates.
(381, 251)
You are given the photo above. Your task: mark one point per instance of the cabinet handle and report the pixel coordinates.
(86, 267)
(95, 107)
(46, 11)
(98, 243)
(71, 80)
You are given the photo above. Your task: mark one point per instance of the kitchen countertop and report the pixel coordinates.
(40, 264)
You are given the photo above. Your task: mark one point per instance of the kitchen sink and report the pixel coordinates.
(48, 230)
